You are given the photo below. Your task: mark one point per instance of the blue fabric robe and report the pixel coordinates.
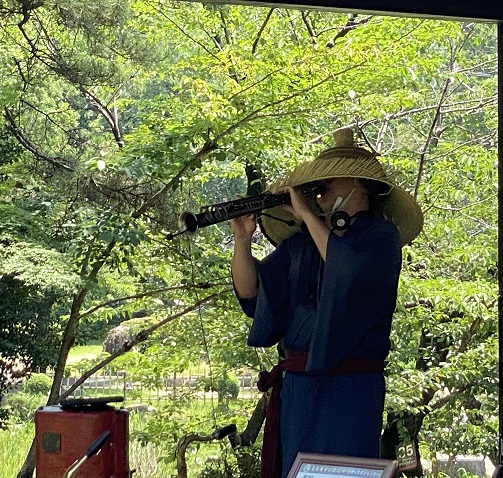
(335, 310)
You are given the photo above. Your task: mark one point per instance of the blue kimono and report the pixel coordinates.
(335, 310)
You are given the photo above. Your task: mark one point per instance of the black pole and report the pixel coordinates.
(499, 470)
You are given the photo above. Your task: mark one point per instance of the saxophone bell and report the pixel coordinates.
(188, 222)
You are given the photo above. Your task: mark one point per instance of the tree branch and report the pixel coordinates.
(110, 117)
(56, 63)
(179, 28)
(17, 132)
(209, 146)
(309, 28)
(254, 114)
(140, 337)
(451, 396)
(431, 133)
(351, 24)
(143, 294)
(261, 30)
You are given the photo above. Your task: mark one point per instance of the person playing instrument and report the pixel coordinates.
(326, 294)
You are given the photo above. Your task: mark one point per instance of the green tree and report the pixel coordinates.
(123, 114)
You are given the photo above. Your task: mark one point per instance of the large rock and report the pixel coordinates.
(116, 339)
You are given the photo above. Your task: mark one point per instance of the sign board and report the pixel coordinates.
(314, 465)
(406, 456)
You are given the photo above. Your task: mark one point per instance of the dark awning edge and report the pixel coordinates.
(433, 9)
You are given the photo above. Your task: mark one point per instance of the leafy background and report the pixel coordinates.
(119, 115)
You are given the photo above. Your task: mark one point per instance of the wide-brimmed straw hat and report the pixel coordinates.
(344, 160)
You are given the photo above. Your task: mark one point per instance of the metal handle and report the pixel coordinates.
(93, 448)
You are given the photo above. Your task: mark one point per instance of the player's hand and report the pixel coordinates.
(298, 205)
(243, 227)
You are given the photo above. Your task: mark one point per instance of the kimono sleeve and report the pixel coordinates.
(358, 294)
(271, 306)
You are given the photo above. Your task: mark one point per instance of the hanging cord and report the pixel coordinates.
(203, 331)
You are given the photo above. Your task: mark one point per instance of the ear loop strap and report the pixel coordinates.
(340, 220)
(340, 201)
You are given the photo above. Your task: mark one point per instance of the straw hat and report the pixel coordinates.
(346, 159)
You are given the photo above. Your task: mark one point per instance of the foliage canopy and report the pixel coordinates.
(118, 115)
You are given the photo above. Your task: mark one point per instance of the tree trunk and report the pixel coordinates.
(247, 461)
(28, 467)
(250, 433)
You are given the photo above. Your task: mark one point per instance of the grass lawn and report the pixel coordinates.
(85, 352)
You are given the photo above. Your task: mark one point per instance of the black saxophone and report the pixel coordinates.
(189, 222)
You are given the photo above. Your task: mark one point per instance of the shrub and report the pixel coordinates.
(227, 386)
(224, 383)
(22, 406)
(38, 383)
(243, 463)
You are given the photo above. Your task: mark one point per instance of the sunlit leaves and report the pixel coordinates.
(158, 107)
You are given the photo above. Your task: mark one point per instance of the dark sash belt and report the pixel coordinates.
(296, 363)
